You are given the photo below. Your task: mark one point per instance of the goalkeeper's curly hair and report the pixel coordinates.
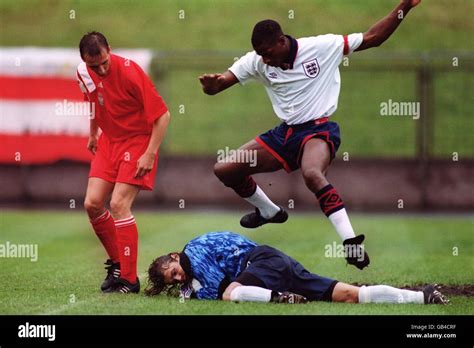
(156, 281)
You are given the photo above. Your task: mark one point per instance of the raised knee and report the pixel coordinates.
(218, 169)
(93, 206)
(313, 178)
(223, 171)
(117, 207)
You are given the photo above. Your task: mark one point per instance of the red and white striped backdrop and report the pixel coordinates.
(38, 87)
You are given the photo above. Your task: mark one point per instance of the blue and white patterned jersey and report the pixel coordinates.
(215, 257)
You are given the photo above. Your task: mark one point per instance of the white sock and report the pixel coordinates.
(340, 221)
(250, 294)
(388, 294)
(259, 199)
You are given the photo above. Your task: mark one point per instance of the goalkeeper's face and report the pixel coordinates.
(174, 273)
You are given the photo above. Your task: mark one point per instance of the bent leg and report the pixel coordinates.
(237, 175)
(237, 292)
(315, 161)
(123, 197)
(98, 191)
(122, 200)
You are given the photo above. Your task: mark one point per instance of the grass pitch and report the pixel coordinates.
(404, 250)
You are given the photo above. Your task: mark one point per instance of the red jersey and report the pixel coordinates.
(126, 101)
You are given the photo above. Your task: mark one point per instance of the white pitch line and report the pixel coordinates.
(64, 307)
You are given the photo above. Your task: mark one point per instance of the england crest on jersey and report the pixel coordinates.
(311, 68)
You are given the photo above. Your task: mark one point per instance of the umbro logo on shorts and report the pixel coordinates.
(311, 68)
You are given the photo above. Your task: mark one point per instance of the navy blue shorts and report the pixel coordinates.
(268, 267)
(286, 142)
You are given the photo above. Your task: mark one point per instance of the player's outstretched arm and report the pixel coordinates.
(383, 29)
(215, 83)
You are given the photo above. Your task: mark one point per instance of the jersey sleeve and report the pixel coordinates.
(144, 90)
(82, 86)
(245, 68)
(335, 47)
(207, 293)
(352, 42)
(213, 276)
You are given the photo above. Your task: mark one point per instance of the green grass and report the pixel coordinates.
(403, 250)
(225, 26)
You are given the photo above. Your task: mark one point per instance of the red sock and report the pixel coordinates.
(127, 241)
(329, 200)
(104, 228)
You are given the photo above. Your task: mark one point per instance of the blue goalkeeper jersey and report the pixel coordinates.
(215, 260)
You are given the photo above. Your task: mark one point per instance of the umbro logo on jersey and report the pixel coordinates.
(311, 68)
(272, 75)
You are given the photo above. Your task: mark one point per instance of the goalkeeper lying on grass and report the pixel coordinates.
(227, 266)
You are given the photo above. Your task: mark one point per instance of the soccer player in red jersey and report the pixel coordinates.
(133, 119)
(301, 77)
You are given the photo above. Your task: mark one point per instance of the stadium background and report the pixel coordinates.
(396, 165)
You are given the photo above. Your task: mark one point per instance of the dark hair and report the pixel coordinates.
(267, 31)
(91, 44)
(156, 280)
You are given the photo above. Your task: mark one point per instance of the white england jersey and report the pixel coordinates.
(310, 89)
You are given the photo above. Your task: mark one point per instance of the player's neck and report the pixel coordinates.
(287, 48)
(286, 65)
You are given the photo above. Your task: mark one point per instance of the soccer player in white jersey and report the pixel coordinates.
(301, 77)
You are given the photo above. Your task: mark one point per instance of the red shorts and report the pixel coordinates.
(117, 161)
